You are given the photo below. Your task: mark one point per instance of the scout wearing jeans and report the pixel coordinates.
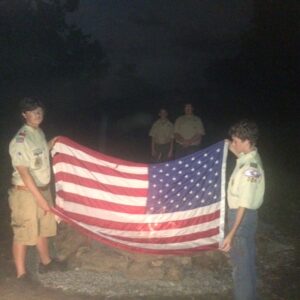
(30, 198)
(245, 195)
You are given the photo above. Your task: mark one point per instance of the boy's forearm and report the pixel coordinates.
(197, 137)
(30, 184)
(178, 137)
(238, 220)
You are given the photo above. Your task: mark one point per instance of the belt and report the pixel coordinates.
(25, 188)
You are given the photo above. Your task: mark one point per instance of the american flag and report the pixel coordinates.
(176, 207)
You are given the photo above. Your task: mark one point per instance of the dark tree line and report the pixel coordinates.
(42, 55)
(38, 44)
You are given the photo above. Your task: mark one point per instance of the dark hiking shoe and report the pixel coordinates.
(25, 280)
(53, 265)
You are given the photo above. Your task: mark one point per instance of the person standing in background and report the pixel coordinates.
(188, 132)
(161, 134)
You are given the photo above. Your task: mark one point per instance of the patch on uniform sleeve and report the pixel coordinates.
(38, 162)
(20, 137)
(252, 174)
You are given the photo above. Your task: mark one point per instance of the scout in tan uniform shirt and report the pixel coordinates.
(247, 185)
(30, 198)
(161, 134)
(188, 132)
(245, 195)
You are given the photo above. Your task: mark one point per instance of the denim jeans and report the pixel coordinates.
(242, 255)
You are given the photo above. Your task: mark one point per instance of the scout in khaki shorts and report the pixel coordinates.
(30, 198)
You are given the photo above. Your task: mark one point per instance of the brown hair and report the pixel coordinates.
(245, 130)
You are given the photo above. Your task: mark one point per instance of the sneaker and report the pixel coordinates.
(53, 265)
(25, 280)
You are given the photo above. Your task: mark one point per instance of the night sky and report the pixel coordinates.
(171, 42)
(232, 59)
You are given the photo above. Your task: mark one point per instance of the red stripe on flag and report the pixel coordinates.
(92, 167)
(172, 239)
(101, 204)
(118, 190)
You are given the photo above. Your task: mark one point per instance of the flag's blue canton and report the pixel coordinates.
(186, 183)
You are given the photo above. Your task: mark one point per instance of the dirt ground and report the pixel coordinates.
(279, 283)
(11, 290)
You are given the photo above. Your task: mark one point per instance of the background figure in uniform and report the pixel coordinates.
(30, 198)
(161, 134)
(245, 195)
(188, 132)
